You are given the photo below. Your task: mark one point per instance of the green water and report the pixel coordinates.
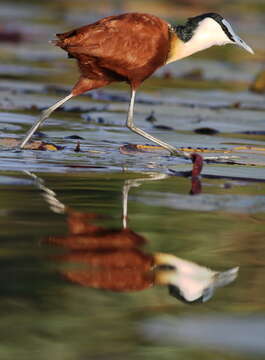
(45, 316)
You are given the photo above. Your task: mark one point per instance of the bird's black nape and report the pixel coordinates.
(176, 293)
(185, 32)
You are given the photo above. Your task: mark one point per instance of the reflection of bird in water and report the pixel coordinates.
(130, 47)
(188, 281)
(113, 259)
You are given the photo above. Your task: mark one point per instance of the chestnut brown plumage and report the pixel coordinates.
(127, 47)
(130, 47)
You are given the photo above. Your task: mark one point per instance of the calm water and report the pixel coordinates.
(106, 255)
(57, 300)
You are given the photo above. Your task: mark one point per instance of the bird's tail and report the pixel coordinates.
(64, 38)
(55, 42)
(226, 277)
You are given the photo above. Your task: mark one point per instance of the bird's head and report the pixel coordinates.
(201, 32)
(187, 281)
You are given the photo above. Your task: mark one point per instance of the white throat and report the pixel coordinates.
(208, 33)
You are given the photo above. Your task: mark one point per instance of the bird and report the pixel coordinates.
(129, 48)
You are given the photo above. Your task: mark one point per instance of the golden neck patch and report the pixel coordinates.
(175, 47)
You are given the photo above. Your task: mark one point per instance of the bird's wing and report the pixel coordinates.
(126, 40)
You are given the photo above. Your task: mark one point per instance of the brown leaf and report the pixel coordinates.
(41, 145)
(34, 145)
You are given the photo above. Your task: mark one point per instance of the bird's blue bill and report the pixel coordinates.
(236, 38)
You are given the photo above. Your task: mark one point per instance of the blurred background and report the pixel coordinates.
(34, 23)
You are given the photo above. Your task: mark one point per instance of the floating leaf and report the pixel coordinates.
(34, 145)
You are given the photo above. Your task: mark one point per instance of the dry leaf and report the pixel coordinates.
(34, 145)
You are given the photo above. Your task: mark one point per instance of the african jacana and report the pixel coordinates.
(130, 47)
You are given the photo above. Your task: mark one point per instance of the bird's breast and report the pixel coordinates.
(175, 47)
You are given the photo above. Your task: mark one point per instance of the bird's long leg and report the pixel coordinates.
(128, 184)
(125, 191)
(141, 132)
(44, 115)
